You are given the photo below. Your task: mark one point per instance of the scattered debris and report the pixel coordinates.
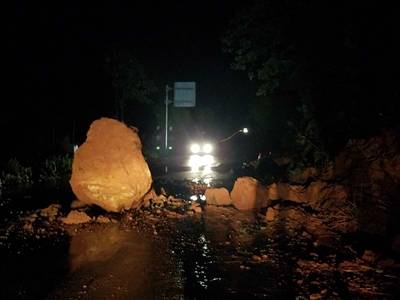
(51, 212)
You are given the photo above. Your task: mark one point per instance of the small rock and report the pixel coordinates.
(102, 219)
(51, 212)
(76, 217)
(28, 227)
(150, 195)
(196, 208)
(271, 213)
(163, 192)
(369, 256)
(256, 258)
(315, 296)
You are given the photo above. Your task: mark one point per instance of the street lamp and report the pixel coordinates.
(244, 130)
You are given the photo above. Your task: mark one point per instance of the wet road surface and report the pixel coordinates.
(186, 258)
(158, 253)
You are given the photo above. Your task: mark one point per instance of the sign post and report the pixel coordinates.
(184, 96)
(167, 89)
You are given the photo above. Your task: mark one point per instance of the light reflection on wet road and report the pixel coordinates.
(112, 263)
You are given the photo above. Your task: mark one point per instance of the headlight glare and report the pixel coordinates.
(195, 148)
(207, 148)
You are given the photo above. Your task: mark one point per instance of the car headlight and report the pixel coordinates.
(195, 148)
(207, 148)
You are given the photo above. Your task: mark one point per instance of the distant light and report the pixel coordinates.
(158, 147)
(203, 197)
(170, 147)
(75, 148)
(193, 198)
(195, 148)
(245, 130)
(207, 148)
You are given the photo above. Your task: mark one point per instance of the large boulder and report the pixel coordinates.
(218, 196)
(109, 169)
(248, 193)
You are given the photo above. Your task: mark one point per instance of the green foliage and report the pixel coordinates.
(16, 177)
(56, 172)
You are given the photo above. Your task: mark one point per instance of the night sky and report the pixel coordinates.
(56, 81)
(55, 61)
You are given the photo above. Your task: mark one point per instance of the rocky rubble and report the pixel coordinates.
(288, 241)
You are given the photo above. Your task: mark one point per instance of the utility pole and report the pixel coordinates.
(167, 89)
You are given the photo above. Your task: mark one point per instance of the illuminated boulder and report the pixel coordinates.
(248, 193)
(218, 196)
(109, 169)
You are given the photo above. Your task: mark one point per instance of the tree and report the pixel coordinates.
(314, 65)
(130, 82)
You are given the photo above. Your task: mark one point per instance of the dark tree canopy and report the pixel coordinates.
(325, 71)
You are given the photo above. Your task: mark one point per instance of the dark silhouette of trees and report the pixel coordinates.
(325, 72)
(130, 82)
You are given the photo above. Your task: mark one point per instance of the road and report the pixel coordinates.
(152, 256)
(189, 258)
(172, 253)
